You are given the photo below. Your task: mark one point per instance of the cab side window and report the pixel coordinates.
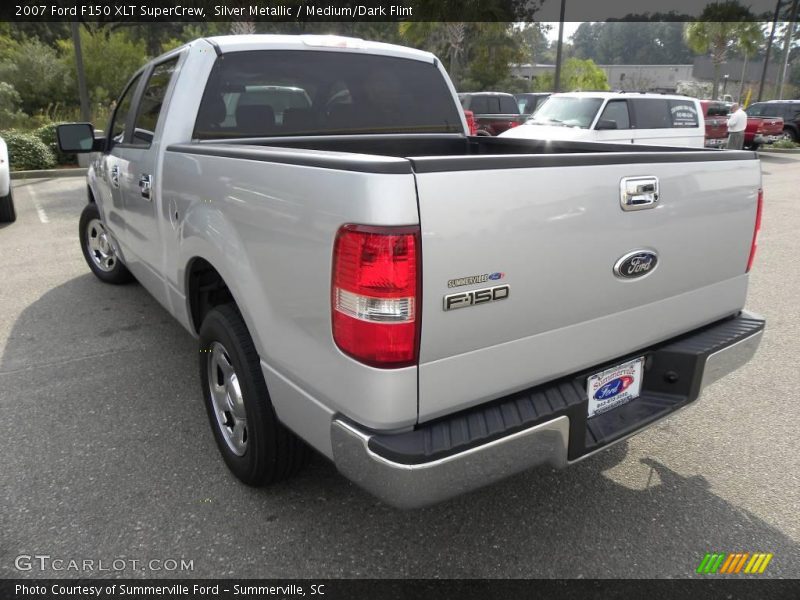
(152, 101)
(683, 113)
(651, 113)
(617, 112)
(120, 119)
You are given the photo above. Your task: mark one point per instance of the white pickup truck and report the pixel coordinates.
(429, 310)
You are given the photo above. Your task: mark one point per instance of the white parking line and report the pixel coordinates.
(39, 209)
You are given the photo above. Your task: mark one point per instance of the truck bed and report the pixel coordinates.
(547, 217)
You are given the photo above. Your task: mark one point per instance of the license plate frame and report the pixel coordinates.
(615, 386)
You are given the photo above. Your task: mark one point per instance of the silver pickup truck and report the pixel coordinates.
(429, 310)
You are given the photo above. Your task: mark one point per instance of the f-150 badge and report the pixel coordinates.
(474, 297)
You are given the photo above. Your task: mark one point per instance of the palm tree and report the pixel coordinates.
(720, 38)
(748, 44)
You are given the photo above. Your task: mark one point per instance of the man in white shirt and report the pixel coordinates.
(737, 123)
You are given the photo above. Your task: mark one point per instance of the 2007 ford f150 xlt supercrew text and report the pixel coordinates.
(431, 311)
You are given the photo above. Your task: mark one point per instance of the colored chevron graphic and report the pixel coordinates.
(726, 563)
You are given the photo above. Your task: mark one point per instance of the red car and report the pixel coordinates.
(762, 130)
(716, 117)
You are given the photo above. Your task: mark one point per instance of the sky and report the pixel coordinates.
(569, 29)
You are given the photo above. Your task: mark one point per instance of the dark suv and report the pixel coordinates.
(789, 110)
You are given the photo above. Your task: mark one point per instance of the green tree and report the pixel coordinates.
(642, 42)
(477, 55)
(10, 113)
(532, 39)
(111, 58)
(576, 75)
(35, 71)
(723, 27)
(492, 50)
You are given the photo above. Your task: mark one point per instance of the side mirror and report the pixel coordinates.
(78, 138)
(605, 124)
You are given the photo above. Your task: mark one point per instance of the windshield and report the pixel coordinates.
(305, 92)
(567, 111)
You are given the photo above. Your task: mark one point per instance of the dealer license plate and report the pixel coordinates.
(615, 386)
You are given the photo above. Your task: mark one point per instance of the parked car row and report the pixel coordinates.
(762, 128)
(626, 117)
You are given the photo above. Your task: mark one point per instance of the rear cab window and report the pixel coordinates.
(307, 92)
(764, 110)
(717, 110)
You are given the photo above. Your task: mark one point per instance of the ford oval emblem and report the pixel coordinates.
(636, 264)
(613, 387)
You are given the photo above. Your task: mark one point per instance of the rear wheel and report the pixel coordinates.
(257, 448)
(7, 212)
(790, 134)
(98, 249)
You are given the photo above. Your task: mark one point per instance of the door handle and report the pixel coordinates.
(638, 193)
(145, 185)
(115, 176)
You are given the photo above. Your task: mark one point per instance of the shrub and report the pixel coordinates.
(47, 135)
(27, 152)
(785, 144)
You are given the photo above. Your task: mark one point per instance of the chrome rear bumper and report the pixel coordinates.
(413, 484)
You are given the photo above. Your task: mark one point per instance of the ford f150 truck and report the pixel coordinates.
(432, 311)
(494, 112)
(762, 130)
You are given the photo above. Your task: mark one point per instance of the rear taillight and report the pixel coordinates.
(756, 229)
(471, 124)
(375, 294)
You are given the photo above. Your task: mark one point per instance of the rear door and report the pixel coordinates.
(553, 234)
(139, 178)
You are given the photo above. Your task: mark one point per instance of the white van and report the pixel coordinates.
(620, 117)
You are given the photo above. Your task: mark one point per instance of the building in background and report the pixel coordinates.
(640, 78)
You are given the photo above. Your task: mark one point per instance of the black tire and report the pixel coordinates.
(7, 212)
(272, 452)
(118, 273)
(791, 134)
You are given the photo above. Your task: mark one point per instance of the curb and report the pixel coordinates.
(77, 172)
(780, 151)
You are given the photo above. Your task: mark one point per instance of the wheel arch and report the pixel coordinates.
(206, 288)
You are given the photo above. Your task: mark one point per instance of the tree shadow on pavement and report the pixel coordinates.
(107, 453)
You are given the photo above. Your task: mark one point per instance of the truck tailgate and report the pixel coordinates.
(553, 234)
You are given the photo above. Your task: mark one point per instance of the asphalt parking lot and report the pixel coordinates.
(106, 453)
